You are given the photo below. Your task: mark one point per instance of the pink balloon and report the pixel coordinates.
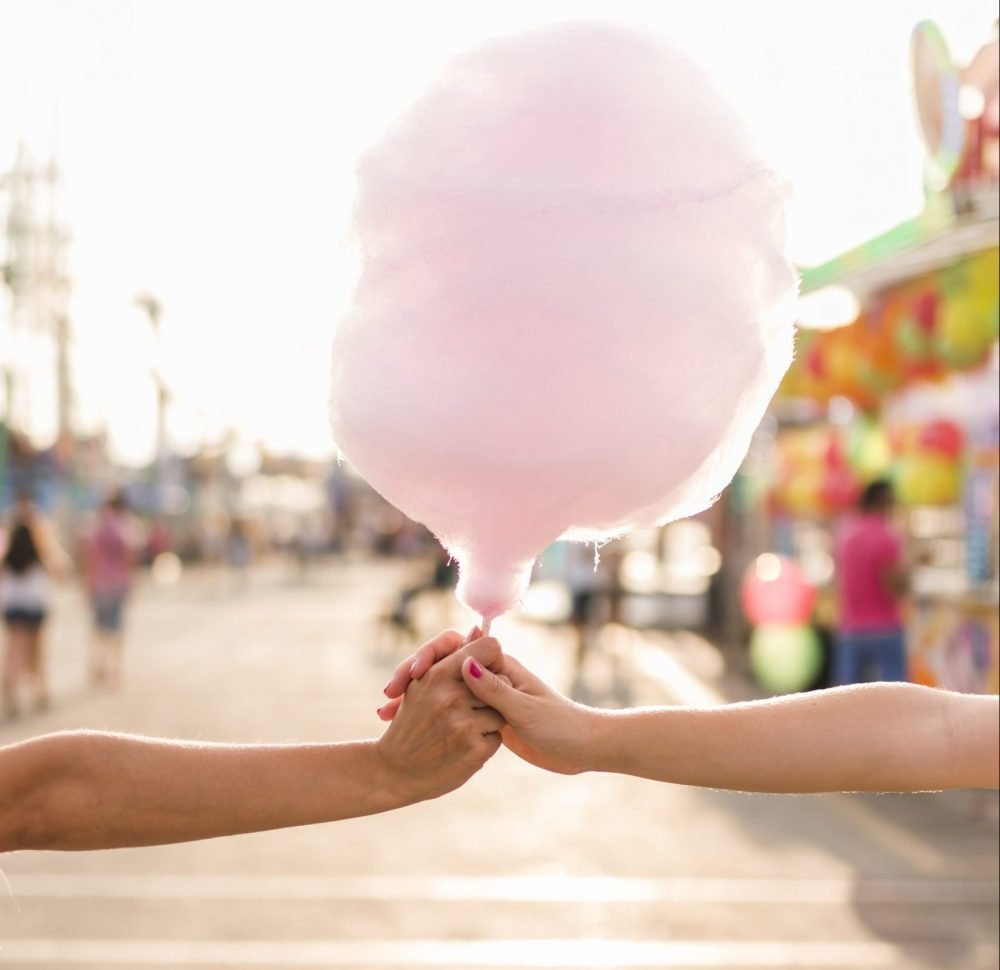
(775, 590)
(943, 436)
(574, 304)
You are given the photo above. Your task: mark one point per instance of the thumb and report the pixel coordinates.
(492, 690)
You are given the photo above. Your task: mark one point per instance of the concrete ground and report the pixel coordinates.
(518, 868)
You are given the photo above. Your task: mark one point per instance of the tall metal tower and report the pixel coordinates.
(34, 323)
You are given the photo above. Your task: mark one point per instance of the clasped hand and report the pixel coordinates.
(462, 728)
(866, 737)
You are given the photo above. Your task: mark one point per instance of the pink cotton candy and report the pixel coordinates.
(574, 303)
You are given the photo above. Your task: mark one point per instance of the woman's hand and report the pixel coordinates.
(441, 734)
(544, 727)
(417, 664)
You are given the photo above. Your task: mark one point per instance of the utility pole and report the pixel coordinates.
(35, 275)
(54, 280)
(153, 309)
(15, 274)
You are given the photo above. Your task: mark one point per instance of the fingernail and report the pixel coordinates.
(413, 668)
(475, 670)
(385, 690)
(378, 711)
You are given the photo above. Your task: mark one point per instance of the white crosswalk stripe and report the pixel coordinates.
(528, 954)
(503, 889)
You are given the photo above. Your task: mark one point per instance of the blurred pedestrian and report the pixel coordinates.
(871, 581)
(238, 551)
(589, 592)
(158, 541)
(31, 558)
(399, 622)
(109, 561)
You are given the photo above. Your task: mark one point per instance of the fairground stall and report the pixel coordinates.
(908, 389)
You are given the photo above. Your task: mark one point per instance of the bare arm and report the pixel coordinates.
(90, 790)
(875, 737)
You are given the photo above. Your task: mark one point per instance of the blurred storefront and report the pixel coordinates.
(908, 389)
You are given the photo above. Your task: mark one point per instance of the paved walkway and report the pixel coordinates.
(517, 869)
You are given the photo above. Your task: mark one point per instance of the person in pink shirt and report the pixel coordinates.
(870, 583)
(109, 557)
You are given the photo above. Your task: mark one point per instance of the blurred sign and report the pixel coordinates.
(957, 109)
(936, 87)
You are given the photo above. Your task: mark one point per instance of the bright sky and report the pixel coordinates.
(208, 149)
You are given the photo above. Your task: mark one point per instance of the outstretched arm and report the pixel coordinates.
(91, 790)
(874, 737)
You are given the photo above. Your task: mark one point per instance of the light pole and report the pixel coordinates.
(153, 309)
(14, 273)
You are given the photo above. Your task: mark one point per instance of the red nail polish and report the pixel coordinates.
(475, 670)
(385, 690)
(378, 710)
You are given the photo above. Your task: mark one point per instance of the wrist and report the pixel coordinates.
(387, 789)
(601, 728)
(392, 786)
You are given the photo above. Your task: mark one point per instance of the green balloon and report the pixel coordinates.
(785, 659)
(868, 450)
(914, 341)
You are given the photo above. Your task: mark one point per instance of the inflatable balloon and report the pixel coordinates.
(785, 659)
(801, 492)
(879, 370)
(839, 490)
(984, 271)
(927, 479)
(774, 590)
(869, 451)
(573, 305)
(963, 336)
(943, 436)
(915, 343)
(843, 363)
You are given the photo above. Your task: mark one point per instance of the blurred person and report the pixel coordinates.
(238, 551)
(399, 622)
(871, 582)
(587, 588)
(309, 544)
(885, 737)
(158, 541)
(31, 558)
(25, 595)
(93, 790)
(108, 566)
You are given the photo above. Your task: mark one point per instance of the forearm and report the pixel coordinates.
(104, 791)
(879, 737)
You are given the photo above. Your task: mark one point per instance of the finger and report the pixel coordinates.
(519, 677)
(418, 663)
(474, 634)
(487, 652)
(492, 691)
(388, 710)
(443, 645)
(479, 707)
(491, 742)
(489, 721)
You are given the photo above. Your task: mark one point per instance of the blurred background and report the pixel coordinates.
(175, 185)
